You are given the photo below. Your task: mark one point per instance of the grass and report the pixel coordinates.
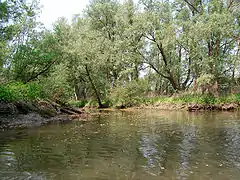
(78, 104)
(193, 99)
(176, 99)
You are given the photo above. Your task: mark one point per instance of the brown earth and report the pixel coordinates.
(193, 107)
(23, 114)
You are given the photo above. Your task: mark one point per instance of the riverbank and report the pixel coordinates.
(181, 101)
(192, 106)
(194, 102)
(26, 114)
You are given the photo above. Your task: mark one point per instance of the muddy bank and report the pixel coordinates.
(193, 107)
(214, 107)
(32, 114)
(30, 120)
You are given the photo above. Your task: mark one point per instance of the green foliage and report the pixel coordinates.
(34, 58)
(129, 94)
(206, 79)
(233, 98)
(91, 103)
(19, 91)
(56, 86)
(78, 104)
(198, 99)
(193, 99)
(102, 55)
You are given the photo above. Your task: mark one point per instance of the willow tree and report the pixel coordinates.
(16, 20)
(211, 36)
(162, 51)
(190, 38)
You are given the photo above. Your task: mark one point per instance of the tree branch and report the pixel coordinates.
(160, 48)
(152, 66)
(41, 72)
(188, 73)
(191, 5)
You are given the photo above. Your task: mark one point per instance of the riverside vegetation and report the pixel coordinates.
(154, 53)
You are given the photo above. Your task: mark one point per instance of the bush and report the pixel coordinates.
(237, 98)
(233, 98)
(182, 98)
(194, 98)
(78, 104)
(129, 94)
(206, 79)
(5, 94)
(19, 91)
(92, 103)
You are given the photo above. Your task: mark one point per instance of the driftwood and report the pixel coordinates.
(76, 111)
(70, 111)
(66, 109)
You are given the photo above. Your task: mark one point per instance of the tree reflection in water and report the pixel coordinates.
(137, 146)
(187, 146)
(232, 144)
(152, 148)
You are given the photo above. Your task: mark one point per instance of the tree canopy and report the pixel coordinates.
(166, 44)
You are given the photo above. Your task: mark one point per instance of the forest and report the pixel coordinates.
(122, 54)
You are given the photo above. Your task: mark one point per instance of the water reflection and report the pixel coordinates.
(127, 145)
(232, 144)
(186, 150)
(152, 148)
(7, 158)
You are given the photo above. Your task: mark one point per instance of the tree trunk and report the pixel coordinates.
(80, 92)
(94, 88)
(174, 83)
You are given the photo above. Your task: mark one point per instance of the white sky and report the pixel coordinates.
(53, 9)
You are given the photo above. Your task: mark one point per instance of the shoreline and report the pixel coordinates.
(192, 106)
(24, 114)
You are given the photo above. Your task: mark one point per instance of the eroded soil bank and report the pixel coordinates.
(23, 114)
(33, 114)
(193, 107)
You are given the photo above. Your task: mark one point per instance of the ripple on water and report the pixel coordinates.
(140, 145)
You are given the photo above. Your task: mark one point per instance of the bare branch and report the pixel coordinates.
(191, 5)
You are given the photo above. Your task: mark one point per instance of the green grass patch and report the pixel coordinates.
(193, 98)
(78, 104)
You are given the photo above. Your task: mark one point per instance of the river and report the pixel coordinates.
(133, 145)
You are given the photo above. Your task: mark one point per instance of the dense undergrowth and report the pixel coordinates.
(124, 97)
(18, 91)
(176, 99)
(193, 99)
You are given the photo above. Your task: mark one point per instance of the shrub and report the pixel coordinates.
(206, 79)
(183, 98)
(19, 91)
(129, 94)
(237, 98)
(92, 103)
(78, 104)
(5, 94)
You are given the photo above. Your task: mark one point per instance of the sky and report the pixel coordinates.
(53, 9)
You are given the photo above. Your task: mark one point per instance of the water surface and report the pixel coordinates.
(138, 145)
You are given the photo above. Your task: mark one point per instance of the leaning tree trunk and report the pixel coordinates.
(94, 88)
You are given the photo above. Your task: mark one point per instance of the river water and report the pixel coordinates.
(137, 145)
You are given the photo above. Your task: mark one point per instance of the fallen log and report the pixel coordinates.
(66, 109)
(63, 110)
(73, 110)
